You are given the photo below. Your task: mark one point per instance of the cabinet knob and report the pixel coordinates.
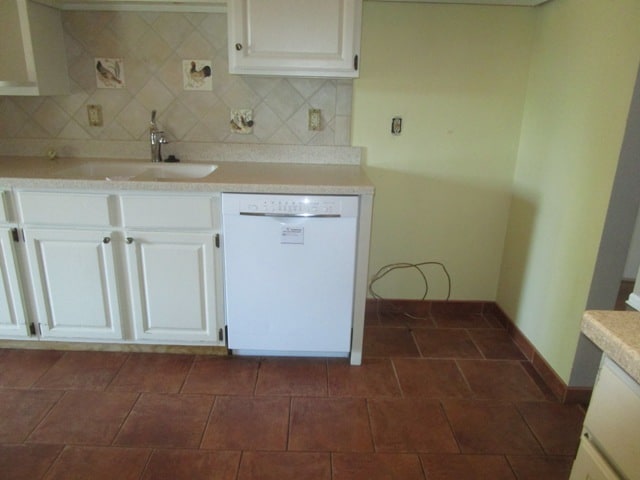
(106, 240)
(129, 240)
(238, 46)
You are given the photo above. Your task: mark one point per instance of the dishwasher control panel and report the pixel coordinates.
(294, 205)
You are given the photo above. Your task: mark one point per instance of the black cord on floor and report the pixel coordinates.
(418, 267)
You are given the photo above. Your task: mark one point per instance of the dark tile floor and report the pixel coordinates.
(442, 397)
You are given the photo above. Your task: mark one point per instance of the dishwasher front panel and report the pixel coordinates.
(289, 273)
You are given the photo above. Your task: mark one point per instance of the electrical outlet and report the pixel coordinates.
(396, 125)
(94, 113)
(315, 119)
(241, 121)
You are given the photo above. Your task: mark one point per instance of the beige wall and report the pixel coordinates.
(513, 121)
(584, 64)
(457, 75)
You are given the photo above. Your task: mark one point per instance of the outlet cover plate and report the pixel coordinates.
(241, 121)
(315, 122)
(94, 113)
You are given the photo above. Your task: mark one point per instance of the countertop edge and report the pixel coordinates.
(187, 186)
(617, 334)
(229, 177)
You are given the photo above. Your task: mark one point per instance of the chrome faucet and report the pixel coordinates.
(156, 138)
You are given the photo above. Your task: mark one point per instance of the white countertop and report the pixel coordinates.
(617, 334)
(251, 177)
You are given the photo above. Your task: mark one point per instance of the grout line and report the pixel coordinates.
(257, 376)
(544, 394)
(453, 431)
(45, 414)
(415, 342)
(538, 440)
(190, 369)
(54, 461)
(466, 381)
(237, 475)
(117, 372)
(148, 461)
(214, 402)
(484, 357)
(421, 463)
(46, 370)
(331, 464)
(373, 440)
(395, 372)
(326, 378)
(286, 449)
(506, 457)
(124, 420)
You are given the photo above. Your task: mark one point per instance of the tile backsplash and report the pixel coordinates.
(152, 47)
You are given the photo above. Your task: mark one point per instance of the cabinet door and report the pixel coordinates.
(173, 287)
(13, 66)
(12, 316)
(294, 37)
(74, 285)
(32, 52)
(590, 465)
(614, 415)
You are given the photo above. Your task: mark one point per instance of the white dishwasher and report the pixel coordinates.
(289, 266)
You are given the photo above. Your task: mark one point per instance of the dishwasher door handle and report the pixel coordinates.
(291, 215)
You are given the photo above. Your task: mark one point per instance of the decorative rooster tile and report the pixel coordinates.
(196, 74)
(109, 72)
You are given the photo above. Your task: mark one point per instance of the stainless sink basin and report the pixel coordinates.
(122, 171)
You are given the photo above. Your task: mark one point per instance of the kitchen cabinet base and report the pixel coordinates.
(116, 347)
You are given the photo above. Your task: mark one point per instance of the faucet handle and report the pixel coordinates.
(153, 116)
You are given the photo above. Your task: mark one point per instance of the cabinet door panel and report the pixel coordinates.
(614, 415)
(3, 209)
(173, 287)
(32, 52)
(74, 284)
(13, 65)
(169, 212)
(590, 465)
(12, 316)
(64, 209)
(294, 37)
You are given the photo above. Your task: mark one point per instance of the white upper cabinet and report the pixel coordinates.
(32, 53)
(307, 38)
(141, 5)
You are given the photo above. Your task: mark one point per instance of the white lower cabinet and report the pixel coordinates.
(610, 443)
(172, 279)
(74, 284)
(12, 314)
(110, 266)
(590, 464)
(307, 38)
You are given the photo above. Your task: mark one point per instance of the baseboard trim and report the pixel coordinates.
(552, 380)
(560, 390)
(114, 347)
